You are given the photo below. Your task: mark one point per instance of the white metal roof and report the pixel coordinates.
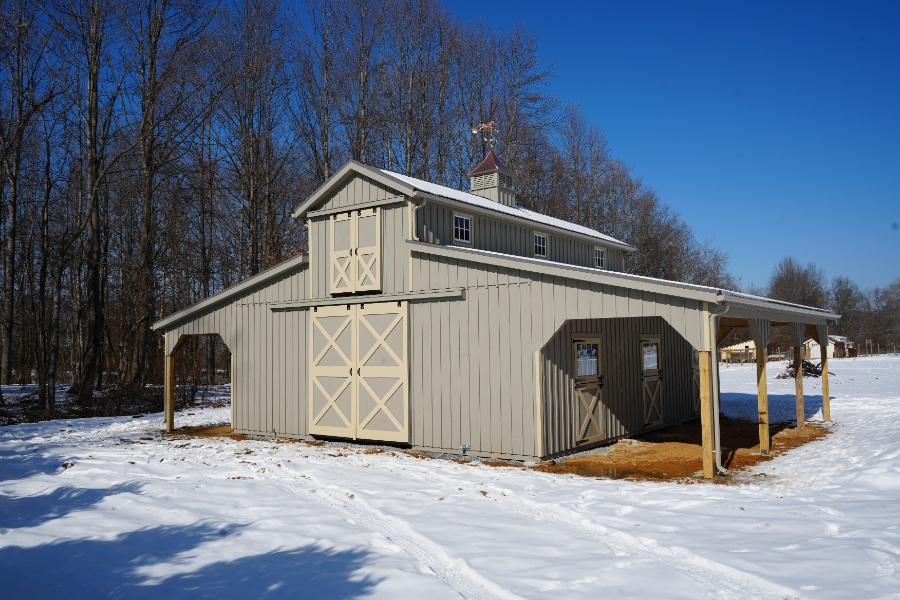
(517, 211)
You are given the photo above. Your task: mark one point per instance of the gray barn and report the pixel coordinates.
(460, 322)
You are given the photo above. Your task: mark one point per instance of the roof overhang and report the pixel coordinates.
(236, 290)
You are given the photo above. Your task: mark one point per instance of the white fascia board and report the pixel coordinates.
(255, 281)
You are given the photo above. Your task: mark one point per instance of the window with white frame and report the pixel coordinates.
(540, 245)
(462, 229)
(599, 257)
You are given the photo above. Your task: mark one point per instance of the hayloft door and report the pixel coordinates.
(355, 251)
(383, 401)
(332, 402)
(342, 261)
(588, 391)
(368, 250)
(651, 380)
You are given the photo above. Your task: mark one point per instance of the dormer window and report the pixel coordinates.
(599, 257)
(462, 229)
(540, 245)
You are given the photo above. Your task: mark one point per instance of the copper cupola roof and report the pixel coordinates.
(491, 164)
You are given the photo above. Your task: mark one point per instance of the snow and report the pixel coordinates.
(136, 514)
(516, 211)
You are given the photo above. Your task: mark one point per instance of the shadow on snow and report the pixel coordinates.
(782, 407)
(31, 511)
(94, 568)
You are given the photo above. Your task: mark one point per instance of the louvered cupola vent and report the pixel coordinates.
(492, 180)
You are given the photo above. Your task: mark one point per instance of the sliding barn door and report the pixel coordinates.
(332, 402)
(359, 384)
(383, 397)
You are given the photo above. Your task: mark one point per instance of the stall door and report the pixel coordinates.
(651, 380)
(588, 391)
(359, 372)
(355, 251)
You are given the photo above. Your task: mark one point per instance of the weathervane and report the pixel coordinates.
(489, 131)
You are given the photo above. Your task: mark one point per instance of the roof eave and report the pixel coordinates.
(737, 299)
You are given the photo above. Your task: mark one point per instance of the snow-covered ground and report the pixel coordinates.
(107, 507)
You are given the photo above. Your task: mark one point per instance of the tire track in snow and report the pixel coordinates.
(728, 583)
(456, 573)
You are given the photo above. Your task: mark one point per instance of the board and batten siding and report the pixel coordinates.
(472, 376)
(499, 235)
(394, 252)
(356, 190)
(621, 366)
(270, 354)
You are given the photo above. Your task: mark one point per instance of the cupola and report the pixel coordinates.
(492, 180)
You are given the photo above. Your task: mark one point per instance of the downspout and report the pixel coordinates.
(418, 202)
(713, 344)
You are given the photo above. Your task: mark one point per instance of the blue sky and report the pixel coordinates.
(773, 128)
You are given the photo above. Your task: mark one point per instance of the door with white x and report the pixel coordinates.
(359, 372)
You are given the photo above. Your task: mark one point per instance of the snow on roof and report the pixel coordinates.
(522, 213)
(737, 297)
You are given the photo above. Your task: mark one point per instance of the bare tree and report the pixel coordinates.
(797, 283)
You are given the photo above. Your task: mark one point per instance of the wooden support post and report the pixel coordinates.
(231, 376)
(170, 392)
(798, 384)
(826, 393)
(706, 415)
(762, 400)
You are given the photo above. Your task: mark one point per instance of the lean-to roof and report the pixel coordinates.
(235, 290)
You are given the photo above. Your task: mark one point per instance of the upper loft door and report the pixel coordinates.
(368, 250)
(588, 391)
(355, 252)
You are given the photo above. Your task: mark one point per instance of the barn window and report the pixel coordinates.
(540, 245)
(462, 229)
(599, 257)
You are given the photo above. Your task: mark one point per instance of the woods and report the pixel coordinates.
(152, 152)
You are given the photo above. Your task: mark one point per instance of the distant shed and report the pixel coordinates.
(461, 323)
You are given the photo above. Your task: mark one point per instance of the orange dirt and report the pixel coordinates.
(674, 453)
(671, 454)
